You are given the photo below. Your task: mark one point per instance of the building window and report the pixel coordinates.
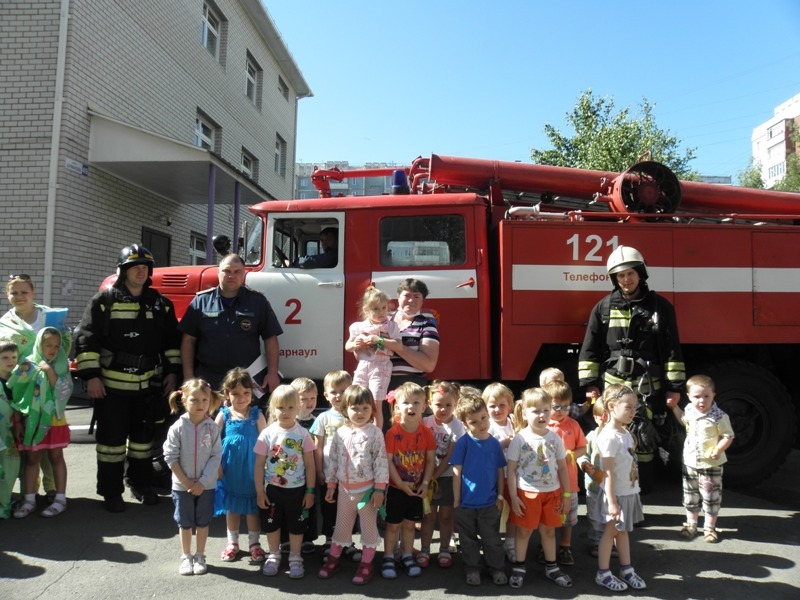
(210, 30)
(197, 249)
(775, 131)
(253, 76)
(280, 155)
(283, 88)
(204, 132)
(249, 165)
(777, 171)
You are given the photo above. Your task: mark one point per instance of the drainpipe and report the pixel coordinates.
(55, 143)
(294, 191)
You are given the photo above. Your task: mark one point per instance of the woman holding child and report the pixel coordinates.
(417, 351)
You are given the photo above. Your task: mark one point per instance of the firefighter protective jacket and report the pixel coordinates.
(127, 341)
(644, 331)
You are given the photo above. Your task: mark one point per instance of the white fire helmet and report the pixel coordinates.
(625, 257)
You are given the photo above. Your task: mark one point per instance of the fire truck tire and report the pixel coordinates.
(763, 418)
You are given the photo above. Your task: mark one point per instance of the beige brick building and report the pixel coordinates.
(126, 122)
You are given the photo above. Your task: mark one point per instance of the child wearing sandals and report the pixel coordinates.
(40, 388)
(240, 421)
(618, 505)
(193, 452)
(446, 430)
(538, 484)
(411, 451)
(478, 480)
(571, 434)
(499, 401)
(358, 464)
(285, 478)
(708, 435)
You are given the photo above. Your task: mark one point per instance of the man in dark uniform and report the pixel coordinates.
(632, 339)
(128, 351)
(224, 326)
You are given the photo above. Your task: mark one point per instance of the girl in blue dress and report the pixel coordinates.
(241, 422)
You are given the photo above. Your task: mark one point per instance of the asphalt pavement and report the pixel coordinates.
(89, 553)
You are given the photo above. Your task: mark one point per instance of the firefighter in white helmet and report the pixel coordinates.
(632, 339)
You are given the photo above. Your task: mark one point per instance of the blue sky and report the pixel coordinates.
(396, 80)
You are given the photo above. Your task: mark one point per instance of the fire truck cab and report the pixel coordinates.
(379, 243)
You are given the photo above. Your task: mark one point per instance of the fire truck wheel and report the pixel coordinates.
(763, 418)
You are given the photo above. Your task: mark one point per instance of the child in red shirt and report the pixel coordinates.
(411, 451)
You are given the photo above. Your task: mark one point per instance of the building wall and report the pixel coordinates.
(141, 63)
(28, 47)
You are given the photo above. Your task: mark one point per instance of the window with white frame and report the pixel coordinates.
(210, 30)
(204, 132)
(253, 75)
(283, 88)
(777, 170)
(280, 155)
(249, 165)
(197, 249)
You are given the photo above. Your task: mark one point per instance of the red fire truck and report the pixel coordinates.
(514, 256)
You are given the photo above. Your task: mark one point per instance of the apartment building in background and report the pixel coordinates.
(152, 121)
(772, 142)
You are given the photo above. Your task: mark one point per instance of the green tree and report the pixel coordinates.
(750, 177)
(605, 141)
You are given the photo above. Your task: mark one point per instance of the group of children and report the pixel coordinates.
(34, 393)
(477, 463)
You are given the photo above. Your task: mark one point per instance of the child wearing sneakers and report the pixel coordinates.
(285, 479)
(193, 452)
(499, 401)
(571, 434)
(478, 480)
(240, 422)
(708, 435)
(538, 484)
(618, 504)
